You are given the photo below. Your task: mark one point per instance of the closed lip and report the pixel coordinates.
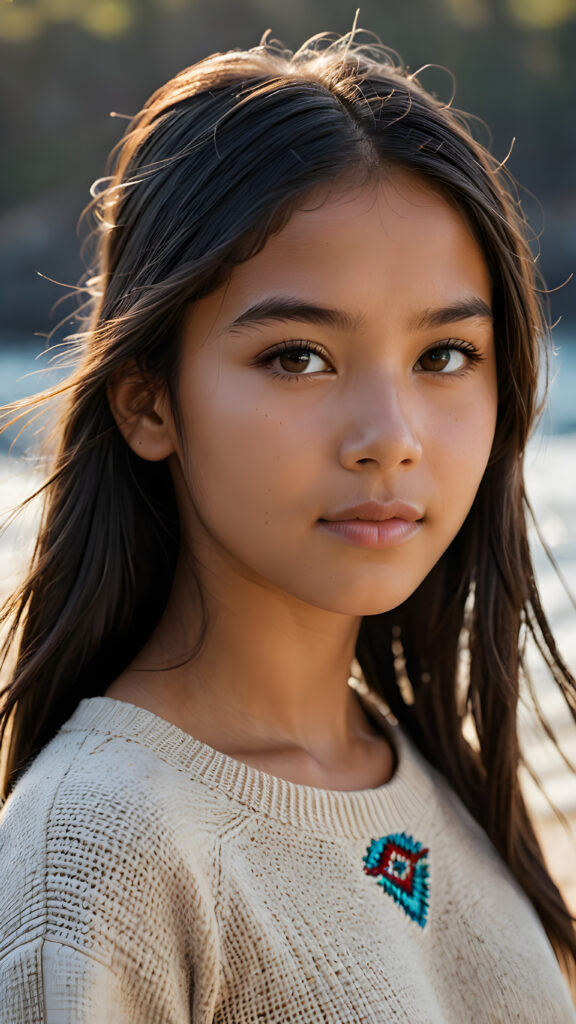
(377, 512)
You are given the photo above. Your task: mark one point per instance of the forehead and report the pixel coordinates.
(385, 249)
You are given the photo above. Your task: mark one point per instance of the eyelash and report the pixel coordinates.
(296, 345)
(299, 345)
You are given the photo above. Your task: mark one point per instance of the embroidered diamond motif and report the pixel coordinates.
(404, 872)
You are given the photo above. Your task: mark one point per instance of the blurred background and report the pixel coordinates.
(66, 64)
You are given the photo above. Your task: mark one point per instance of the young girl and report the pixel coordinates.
(292, 443)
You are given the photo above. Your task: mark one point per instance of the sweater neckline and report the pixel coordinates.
(392, 806)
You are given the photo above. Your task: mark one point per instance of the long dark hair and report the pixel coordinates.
(213, 164)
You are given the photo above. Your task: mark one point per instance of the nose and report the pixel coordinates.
(380, 427)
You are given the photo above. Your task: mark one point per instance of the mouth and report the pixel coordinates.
(376, 534)
(377, 511)
(375, 524)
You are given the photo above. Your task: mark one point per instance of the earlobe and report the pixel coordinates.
(141, 409)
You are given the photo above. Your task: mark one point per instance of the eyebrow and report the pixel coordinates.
(282, 308)
(287, 308)
(465, 309)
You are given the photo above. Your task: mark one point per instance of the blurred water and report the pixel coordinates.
(551, 482)
(560, 417)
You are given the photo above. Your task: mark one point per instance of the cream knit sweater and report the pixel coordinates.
(146, 878)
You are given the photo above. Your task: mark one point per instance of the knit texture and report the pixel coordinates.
(146, 878)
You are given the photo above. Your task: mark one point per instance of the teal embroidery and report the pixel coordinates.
(403, 870)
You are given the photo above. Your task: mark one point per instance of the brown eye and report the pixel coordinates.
(438, 359)
(298, 360)
(295, 360)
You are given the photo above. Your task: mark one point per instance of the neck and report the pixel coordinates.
(275, 669)
(270, 685)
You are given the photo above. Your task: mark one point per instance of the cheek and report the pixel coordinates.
(242, 459)
(461, 452)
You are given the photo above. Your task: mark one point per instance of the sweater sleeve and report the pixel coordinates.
(49, 982)
(100, 907)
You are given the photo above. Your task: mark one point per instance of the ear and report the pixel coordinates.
(141, 408)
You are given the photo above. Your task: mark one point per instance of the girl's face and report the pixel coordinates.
(351, 361)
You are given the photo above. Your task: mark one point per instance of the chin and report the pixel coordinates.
(365, 608)
(344, 601)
